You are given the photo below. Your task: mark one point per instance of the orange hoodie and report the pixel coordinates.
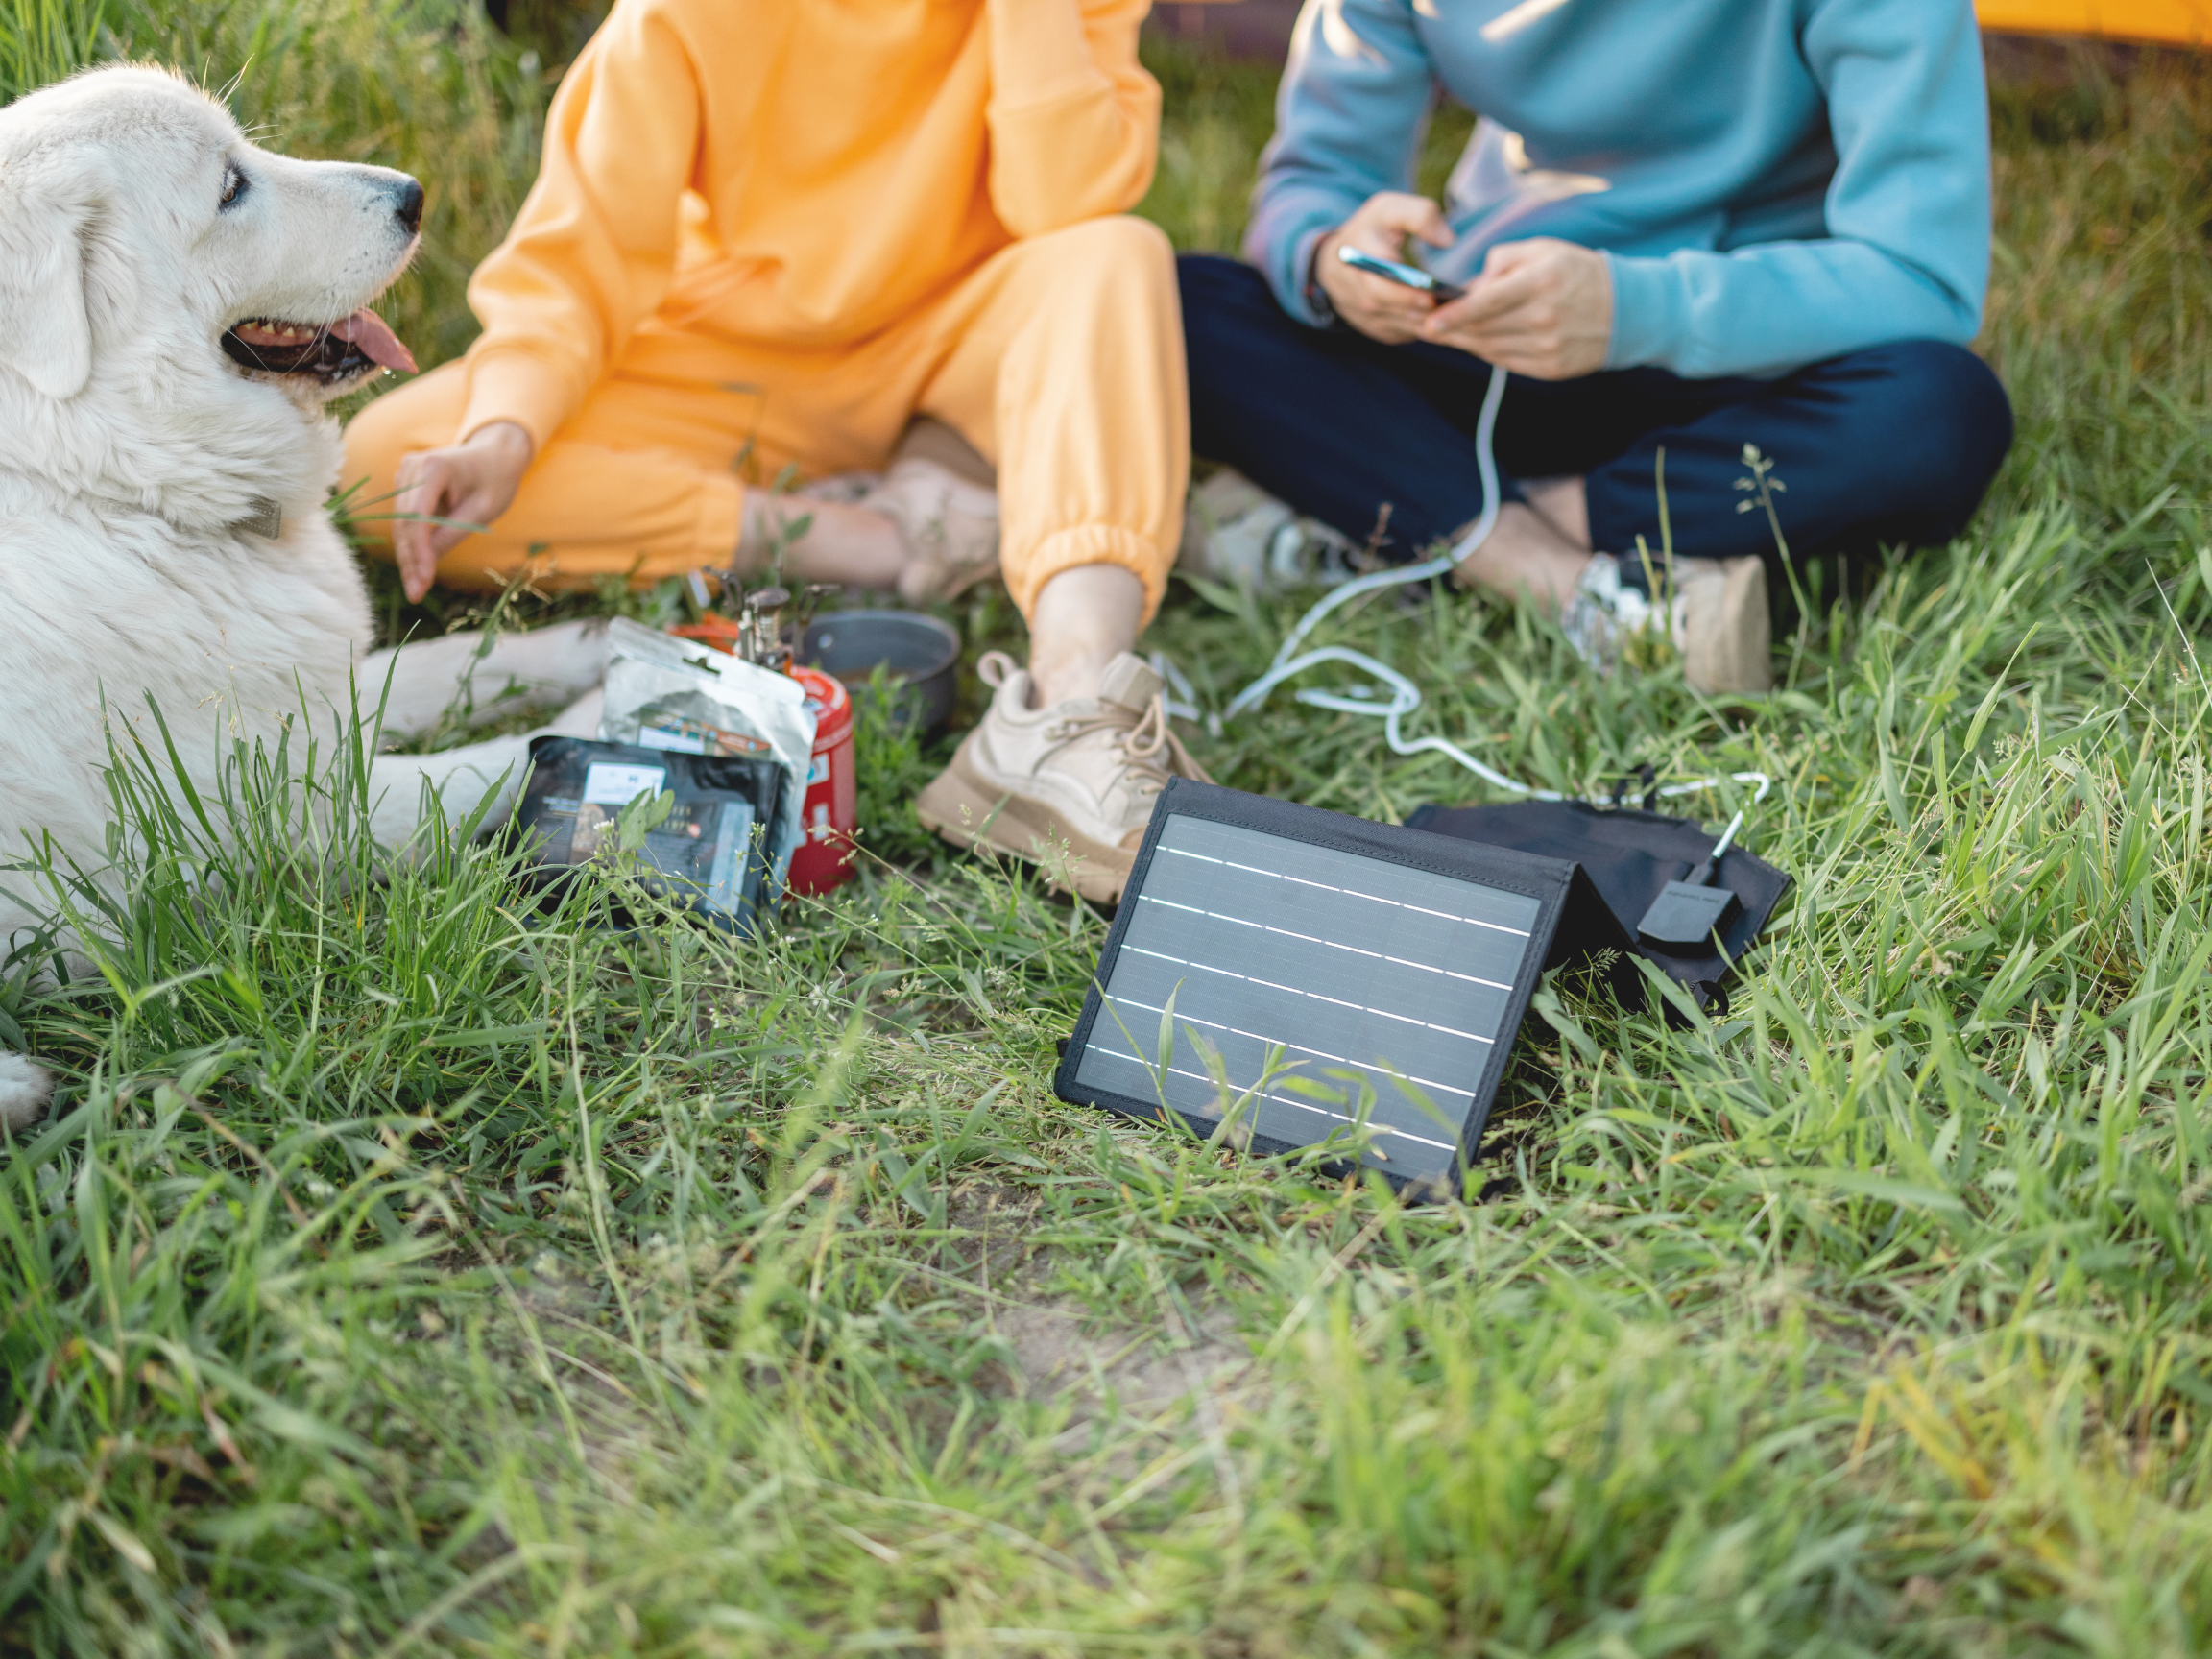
(805, 172)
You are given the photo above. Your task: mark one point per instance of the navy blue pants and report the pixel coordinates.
(1894, 446)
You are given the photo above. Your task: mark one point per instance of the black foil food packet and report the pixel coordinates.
(709, 855)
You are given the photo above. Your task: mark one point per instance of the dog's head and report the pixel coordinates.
(160, 272)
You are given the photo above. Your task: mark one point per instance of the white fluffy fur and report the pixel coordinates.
(133, 444)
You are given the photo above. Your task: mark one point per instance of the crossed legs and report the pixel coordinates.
(1895, 445)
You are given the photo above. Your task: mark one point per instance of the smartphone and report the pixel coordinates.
(1391, 270)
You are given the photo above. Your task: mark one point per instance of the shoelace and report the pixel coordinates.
(1147, 748)
(1145, 742)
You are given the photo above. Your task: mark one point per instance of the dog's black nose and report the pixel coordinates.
(409, 206)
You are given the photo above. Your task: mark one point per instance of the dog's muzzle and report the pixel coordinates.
(326, 352)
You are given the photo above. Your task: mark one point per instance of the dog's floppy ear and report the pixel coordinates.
(46, 325)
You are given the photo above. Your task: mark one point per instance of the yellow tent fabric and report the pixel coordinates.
(2186, 22)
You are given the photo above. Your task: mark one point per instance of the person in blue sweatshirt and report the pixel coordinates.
(1684, 225)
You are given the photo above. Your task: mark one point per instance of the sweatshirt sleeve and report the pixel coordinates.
(1348, 121)
(1907, 212)
(593, 250)
(1075, 119)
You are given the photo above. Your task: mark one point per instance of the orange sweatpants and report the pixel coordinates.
(1060, 358)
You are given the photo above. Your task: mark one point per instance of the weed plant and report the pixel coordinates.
(409, 1270)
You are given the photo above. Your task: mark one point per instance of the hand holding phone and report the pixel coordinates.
(1396, 271)
(1383, 301)
(1543, 309)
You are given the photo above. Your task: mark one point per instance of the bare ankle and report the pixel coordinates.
(1066, 678)
(1563, 504)
(820, 541)
(1525, 556)
(1083, 618)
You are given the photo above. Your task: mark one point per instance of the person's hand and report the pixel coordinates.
(472, 481)
(1378, 307)
(1543, 308)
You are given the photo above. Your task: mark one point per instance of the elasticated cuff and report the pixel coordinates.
(1297, 290)
(1090, 544)
(1650, 311)
(510, 384)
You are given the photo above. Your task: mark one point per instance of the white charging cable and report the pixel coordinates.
(1404, 695)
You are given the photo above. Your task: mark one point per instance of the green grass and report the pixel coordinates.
(408, 1272)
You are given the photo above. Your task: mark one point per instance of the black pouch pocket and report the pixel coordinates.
(1631, 857)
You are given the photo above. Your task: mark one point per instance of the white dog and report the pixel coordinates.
(176, 307)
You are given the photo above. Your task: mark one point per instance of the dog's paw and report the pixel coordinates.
(24, 1091)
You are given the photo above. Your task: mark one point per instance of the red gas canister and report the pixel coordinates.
(824, 859)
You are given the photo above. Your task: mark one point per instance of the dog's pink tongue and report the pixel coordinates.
(373, 335)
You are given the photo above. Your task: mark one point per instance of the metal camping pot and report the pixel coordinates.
(918, 653)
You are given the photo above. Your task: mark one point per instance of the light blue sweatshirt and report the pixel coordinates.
(1775, 183)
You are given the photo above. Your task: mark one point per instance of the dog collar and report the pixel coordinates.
(265, 519)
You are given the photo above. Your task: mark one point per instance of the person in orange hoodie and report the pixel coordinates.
(765, 236)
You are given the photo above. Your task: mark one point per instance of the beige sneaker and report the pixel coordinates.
(1722, 626)
(1235, 532)
(950, 528)
(1716, 617)
(1081, 773)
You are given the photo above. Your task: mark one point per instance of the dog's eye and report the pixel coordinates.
(233, 185)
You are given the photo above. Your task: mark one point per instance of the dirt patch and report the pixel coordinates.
(1133, 1370)
(1060, 1349)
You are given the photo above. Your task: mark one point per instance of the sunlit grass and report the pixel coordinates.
(408, 1271)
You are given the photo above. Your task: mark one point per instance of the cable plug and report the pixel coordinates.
(1689, 912)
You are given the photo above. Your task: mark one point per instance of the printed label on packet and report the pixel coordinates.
(606, 784)
(686, 735)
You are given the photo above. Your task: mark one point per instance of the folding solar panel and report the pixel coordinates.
(1319, 975)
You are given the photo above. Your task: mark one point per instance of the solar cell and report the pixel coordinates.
(1316, 976)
